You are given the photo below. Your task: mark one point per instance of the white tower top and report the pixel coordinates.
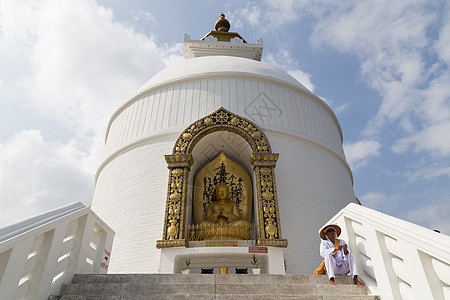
(221, 42)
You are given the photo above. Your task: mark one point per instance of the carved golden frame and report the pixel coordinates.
(262, 160)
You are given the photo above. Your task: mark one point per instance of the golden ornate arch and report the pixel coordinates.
(262, 159)
(222, 120)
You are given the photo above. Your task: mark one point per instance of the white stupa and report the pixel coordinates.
(221, 99)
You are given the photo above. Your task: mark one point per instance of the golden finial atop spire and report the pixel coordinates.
(222, 24)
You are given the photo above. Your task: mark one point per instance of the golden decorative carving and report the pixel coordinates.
(174, 222)
(272, 242)
(176, 184)
(263, 161)
(222, 120)
(170, 243)
(269, 219)
(214, 235)
(266, 160)
(179, 161)
(268, 203)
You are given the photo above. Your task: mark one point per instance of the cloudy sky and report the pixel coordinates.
(383, 66)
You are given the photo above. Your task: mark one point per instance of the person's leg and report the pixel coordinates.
(352, 264)
(341, 269)
(330, 266)
(354, 269)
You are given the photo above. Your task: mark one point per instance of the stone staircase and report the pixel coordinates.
(208, 287)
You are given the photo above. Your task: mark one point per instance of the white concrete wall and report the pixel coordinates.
(270, 105)
(130, 196)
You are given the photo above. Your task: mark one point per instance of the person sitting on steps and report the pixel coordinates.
(336, 254)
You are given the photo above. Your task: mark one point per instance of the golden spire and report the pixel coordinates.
(222, 24)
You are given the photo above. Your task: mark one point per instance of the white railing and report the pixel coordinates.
(40, 254)
(396, 259)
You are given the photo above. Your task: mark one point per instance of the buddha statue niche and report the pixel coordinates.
(222, 201)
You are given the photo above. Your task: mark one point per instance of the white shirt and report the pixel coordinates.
(327, 248)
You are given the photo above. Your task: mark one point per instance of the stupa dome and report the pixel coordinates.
(227, 101)
(210, 66)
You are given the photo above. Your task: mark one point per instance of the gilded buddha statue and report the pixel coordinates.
(222, 201)
(223, 219)
(223, 211)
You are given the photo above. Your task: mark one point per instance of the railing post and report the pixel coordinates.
(14, 269)
(86, 235)
(51, 261)
(419, 281)
(102, 261)
(378, 255)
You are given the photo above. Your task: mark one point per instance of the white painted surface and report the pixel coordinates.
(222, 66)
(130, 196)
(40, 254)
(397, 259)
(210, 46)
(173, 260)
(277, 104)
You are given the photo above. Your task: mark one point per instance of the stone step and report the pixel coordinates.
(143, 278)
(206, 289)
(206, 278)
(214, 286)
(295, 296)
(220, 297)
(93, 289)
(280, 279)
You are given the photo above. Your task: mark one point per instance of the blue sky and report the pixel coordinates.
(383, 66)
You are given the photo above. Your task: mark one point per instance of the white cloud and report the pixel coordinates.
(81, 65)
(252, 14)
(442, 45)
(393, 44)
(428, 172)
(38, 175)
(341, 108)
(284, 61)
(397, 57)
(433, 216)
(141, 15)
(85, 64)
(303, 78)
(338, 109)
(269, 17)
(374, 200)
(435, 113)
(359, 153)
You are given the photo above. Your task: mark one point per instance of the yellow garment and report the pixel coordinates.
(321, 268)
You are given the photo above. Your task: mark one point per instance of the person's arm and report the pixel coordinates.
(345, 247)
(326, 248)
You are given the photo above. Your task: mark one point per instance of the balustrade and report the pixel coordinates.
(396, 259)
(40, 254)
